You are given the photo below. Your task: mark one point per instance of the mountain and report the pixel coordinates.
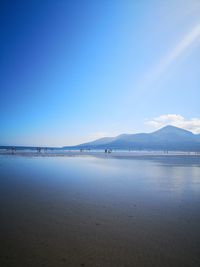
(166, 138)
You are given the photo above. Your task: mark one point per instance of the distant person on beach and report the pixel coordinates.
(13, 149)
(39, 149)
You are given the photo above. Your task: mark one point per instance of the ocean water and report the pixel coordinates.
(98, 211)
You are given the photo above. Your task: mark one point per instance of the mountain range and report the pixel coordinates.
(167, 138)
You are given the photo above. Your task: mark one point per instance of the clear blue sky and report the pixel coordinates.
(74, 70)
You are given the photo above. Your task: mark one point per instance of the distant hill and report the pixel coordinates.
(167, 138)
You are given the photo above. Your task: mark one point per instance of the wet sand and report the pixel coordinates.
(91, 211)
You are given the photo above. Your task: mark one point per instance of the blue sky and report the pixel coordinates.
(73, 71)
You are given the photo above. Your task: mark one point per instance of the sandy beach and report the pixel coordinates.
(90, 211)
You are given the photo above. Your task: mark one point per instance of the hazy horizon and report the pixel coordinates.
(172, 128)
(76, 71)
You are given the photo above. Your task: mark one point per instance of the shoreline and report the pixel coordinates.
(102, 154)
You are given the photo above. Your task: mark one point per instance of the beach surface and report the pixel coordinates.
(95, 209)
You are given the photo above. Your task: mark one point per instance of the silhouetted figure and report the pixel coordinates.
(39, 149)
(13, 150)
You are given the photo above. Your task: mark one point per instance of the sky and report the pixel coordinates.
(74, 71)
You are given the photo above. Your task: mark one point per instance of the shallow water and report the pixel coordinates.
(91, 211)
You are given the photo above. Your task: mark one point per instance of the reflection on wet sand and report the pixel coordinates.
(95, 211)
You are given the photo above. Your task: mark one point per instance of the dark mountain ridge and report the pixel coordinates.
(166, 138)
